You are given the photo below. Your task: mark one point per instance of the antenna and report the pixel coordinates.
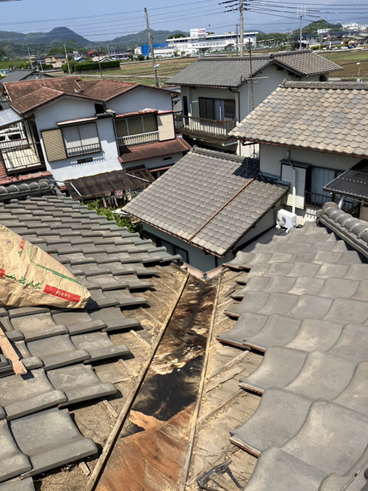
(301, 12)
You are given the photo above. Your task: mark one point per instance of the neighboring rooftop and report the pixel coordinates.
(29, 95)
(134, 153)
(109, 182)
(18, 75)
(352, 183)
(322, 116)
(210, 199)
(234, 71)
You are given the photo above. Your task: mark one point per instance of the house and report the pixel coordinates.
(26, 74)
(308, 40)
(309, 133)
(75, 129)
(218, 93)
(56, 60)
(207, 206)
(118, 54)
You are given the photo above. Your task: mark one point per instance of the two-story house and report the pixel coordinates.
(76, 129)
(218, 93)
(314, 136)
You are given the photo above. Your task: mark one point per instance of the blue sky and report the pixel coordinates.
(98, 20)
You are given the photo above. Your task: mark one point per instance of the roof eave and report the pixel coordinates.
(290, 145)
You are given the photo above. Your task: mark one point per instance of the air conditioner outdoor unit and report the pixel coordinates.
(286, 219)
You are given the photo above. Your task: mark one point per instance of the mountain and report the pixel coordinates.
(133, 40)
(57, 35)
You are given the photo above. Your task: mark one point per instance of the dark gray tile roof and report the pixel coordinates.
(326, 116)
(234, 71)
(52, 344)
(17, 75)
(305, 306)
(353, 182)
(220, 72)
(305, 63)
(197, 187)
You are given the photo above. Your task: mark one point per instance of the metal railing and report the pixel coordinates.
(83, 150)
(216, 129)
(21, 155)
(318, 200)
(138, 139)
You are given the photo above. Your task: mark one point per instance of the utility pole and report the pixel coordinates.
(301, 11)
(241, 8)
(251, 72)
(237, 39)
(29, 57)
(99, 61)
(67, 60)
(150, 42)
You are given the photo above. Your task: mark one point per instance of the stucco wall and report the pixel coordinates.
(140, 99)
(104, 161)
(156, 162)
(270, 156)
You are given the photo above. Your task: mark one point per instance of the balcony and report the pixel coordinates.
(19, 155)
(83, 150)
(316, 201)
(127, 141)
(208, 130)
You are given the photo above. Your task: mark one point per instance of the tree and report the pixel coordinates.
(175, 36)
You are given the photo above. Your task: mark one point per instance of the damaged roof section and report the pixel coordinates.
(210, 199)
(352, 183)
(109, 182)
(60, 348)
(304, 305)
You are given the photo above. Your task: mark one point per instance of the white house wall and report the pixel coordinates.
(271, 155)
(140, 99)
(104, 161)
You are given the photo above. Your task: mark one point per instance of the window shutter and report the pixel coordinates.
(150, 123)
(135, 126)
(54, 145)
(121, 128)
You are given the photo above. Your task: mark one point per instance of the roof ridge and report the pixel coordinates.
(290, 53)
(234, 58)
(325, 85)
(217, 154)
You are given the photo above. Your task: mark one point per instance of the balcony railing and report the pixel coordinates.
(204, 129)
(83, 150)
(316, 200)
(138, 139)
(20, 155)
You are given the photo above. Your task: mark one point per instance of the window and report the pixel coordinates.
(81, 139)
(136, 125)
(217, 109)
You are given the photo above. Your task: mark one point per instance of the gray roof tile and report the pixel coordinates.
(309, 109)
(195, 188)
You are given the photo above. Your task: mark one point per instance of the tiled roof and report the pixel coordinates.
(184, 202)
(54, 344)
(305, 63)
(353, 182)
(220, 72)
(134, 153)
(305, 307)
(107, 182)
(233, 72)
(17, 75)
(327, 116)
(28, 95)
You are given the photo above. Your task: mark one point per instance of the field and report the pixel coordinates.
(142, 72)
(348, 60)
(13, 63)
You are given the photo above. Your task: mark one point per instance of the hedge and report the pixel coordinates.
(87, 66)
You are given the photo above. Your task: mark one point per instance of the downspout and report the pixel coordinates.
(294, 175)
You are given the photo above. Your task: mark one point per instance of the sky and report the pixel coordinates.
(96, 20)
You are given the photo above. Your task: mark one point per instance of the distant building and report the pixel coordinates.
(322, 31)
(145, 49)
(200, 41)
